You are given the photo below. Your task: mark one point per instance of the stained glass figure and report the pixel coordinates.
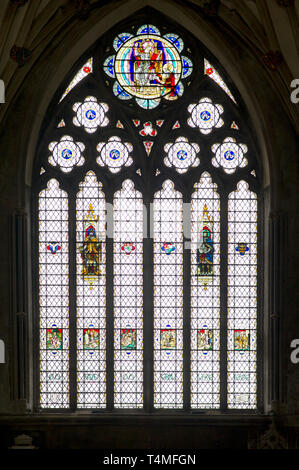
(205, 115)
(128, 339)
(114, 154)
(205, 339)
(205, 295)
(168, 297)
(181, 154)
(242, 298)
(168, 339)
(53, 297)
(91, 293)
(205, 248)
(91, 249)
(229, 155)
(54, 338)
(148, 67)
(241, 340)
(128, 297)
(91, 338)
(85, 70)
(66, 153)
(212, 73)
(90, 114)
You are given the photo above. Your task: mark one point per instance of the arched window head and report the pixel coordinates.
(146, 184)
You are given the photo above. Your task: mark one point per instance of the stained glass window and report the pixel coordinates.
(205, 294)
(54, 296)
(91, 294)
(148, 66)
(214, 75)
(82, 73)
(242, 297)
(168, 297)
(128, 297)
(160, 319)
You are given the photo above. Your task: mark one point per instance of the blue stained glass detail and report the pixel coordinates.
(182, 155)
(187, 67)
(120, 92)
(114, 154)
(229, 155)
(120, 40)
(148, 29)
(109, 66)
(66, 154)
(90, 114)
(205, 115)
(176, 41)
(147, 104)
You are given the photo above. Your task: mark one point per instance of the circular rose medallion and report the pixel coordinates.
(148, 66)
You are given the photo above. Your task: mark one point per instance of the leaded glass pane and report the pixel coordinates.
(86, 69)
(53, 296)
(168, 297)
(205, 294)
(242, 297)
(128, 297)
(91, 294)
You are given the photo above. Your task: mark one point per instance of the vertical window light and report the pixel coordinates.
(242, 297)
(168, 297)
(54, 297)
(128, 297)
(205, 295)
(91, 294)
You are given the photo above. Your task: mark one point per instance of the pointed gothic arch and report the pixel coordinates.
(151, 148)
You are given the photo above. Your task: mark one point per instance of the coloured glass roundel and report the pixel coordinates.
(148, 66)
